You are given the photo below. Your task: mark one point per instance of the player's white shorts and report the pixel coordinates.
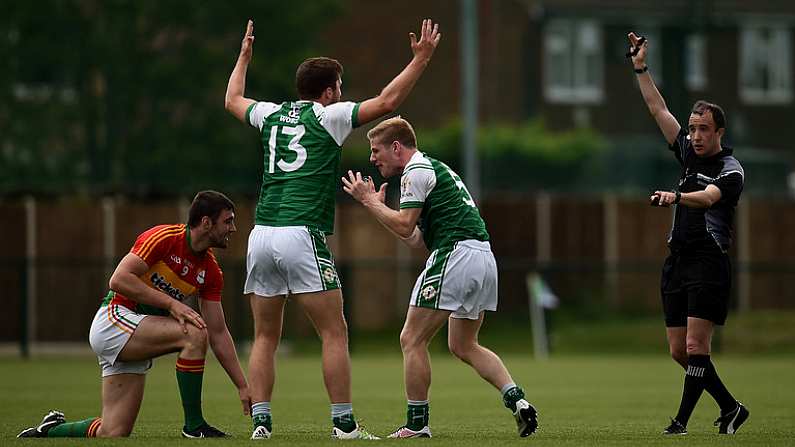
(461, 279)
(288, 260)
(112, 327)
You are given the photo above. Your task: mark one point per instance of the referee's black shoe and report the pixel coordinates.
(676, 428)
(730, 422)
(204, 431)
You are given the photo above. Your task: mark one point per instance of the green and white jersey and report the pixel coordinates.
(449, 214)
(302, 142)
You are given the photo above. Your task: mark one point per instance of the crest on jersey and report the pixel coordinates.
(200, 277)
(295, 110)
(329, 275)
(405, 184)
(428, 292)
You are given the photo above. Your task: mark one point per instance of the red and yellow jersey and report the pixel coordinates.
(174, 269)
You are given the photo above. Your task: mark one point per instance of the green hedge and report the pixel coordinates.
(513, 157)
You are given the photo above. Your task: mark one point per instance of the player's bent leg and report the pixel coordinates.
(463, 343)
(324, 310)
(268, 313)
(156, 336)
(122, 395)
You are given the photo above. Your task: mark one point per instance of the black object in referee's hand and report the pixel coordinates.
(634, 51)
(655, 201)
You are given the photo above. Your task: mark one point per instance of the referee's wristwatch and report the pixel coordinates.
(678, 197)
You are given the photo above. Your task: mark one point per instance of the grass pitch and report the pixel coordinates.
(582, 400)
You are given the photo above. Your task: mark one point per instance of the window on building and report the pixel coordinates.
(573, 61)
(696, 62)
(765, 64)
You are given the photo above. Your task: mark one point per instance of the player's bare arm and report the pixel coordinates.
(415, 240)
(695, 199)
(654, 100)
(401, 223)
(235, 102)
(224, 348)
(126, 281)
(399, 88)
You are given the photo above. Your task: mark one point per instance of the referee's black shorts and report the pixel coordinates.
(695, 284)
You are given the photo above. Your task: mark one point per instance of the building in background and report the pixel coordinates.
(563, 61)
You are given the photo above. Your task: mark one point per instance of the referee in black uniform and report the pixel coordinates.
(696, 276)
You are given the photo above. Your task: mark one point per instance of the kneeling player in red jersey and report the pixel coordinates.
(147, 314)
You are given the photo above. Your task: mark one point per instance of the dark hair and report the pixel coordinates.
(701, 107)
(210, 204)
(315, 75)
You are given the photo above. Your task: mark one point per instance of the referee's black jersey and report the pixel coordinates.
(705, 227)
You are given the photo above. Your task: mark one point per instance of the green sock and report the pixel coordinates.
(511, 396)
(189, 379)
(345, 422)
(417, 414)
(80, 429)
(264, 420)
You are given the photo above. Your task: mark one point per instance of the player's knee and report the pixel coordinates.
(697, 347)
(266, 342)
(409, 341)
(461, 350)
(196, 339)
(337, 333)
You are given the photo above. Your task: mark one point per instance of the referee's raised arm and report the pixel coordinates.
(654, 100)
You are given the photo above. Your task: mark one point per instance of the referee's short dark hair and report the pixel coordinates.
(208, 203)
(701, 107)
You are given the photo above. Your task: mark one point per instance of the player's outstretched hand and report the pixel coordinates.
(246, 47)
(362, 188)
(429, 39)
(185, 316)
(639, 58)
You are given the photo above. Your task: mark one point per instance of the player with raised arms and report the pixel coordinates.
(287, 251)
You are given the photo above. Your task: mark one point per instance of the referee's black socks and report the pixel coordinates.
(701, 375)
(697, 366)
(717, 389)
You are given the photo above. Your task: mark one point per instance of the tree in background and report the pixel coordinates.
(127, 96)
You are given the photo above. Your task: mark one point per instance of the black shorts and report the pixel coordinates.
(695, 284)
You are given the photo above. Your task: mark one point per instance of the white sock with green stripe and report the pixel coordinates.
(342, 416)
(261, 414)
